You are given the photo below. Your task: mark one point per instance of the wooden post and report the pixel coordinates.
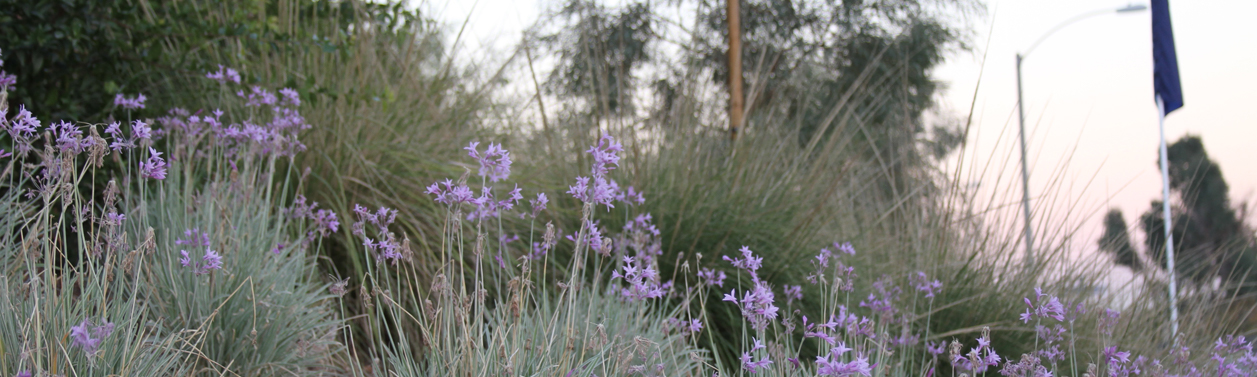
(735, 68)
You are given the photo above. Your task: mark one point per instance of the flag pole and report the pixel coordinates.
(1169, 225)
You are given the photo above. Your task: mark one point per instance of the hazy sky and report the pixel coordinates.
(1088, 92)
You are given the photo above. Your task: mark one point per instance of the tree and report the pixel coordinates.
(1116, 241)
(1211, 240)
(598, 54)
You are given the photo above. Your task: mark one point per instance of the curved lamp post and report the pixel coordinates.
(1021, 118)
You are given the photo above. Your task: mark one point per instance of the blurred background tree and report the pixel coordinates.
(1211, 240)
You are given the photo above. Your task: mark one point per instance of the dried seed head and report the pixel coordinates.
(366, 298)
(1092, 371)
(150, 242)
(955, 349)
(96, 153)
(339, 287)
(129, 261)
(548, 239)
(478, 249)
(407, 254)
(111, 193)
(605, 250)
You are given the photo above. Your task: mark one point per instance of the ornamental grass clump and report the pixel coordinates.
(160, 264)
(498, 306)
(72, 302)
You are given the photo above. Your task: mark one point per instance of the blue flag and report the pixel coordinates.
(1165, 62)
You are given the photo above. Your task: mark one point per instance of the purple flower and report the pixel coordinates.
(712, 277)
(69, 138)
(1045, 306)
(291, 98)
(748, 261)
(257, 97)
(1114, 356)
(114, 219)
(141, 130)
(793, 293)
(224, 75)
(211, 261)
(24, 373)
(882, 301)
(87, 337)
(155, 167)
(7, 80)
(538, 204)
(934, 349)
(756, 304)
(185, 260)
(845, 247)
(325, 222)
(450, 194)
(602, 191)
(495, 162)
(4, 154)
(643, 281)
(630, 196)
(193, 237)
(129, 103)
(922, 283)
(1109, 321)
(832, 364)
(606, 153)
(820, 334)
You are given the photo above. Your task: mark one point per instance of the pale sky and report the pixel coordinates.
(1088, 91)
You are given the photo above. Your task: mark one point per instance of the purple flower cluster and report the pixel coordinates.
(822, 263)
(23, 129)
(258, 96)
(600, 190)
(922, 283)
(487, 206)
(88, 337)
(686, 327)
(712, 277)
(69, 138)
(387, 247)
(6, 80)
(643, 281)
(277, 135)
(792, 293)
(1234, 357)
(1044, 306)
(495, 162)
(538, 205)
(129, 103)
(140, 131)
(1108, 322)
(882, 301)
(630, 196)
(325, 221)
(748, 261)
(224, 75)
(754, 366)
(832, 364)
(756, 303)
(979, 358)
(210, 259)
(451, 194)
(154, 167)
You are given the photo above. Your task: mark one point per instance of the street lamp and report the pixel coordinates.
(1021, 118)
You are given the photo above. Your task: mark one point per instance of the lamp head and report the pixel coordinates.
(1132, 8)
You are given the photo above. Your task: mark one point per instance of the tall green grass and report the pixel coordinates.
(392, 111)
